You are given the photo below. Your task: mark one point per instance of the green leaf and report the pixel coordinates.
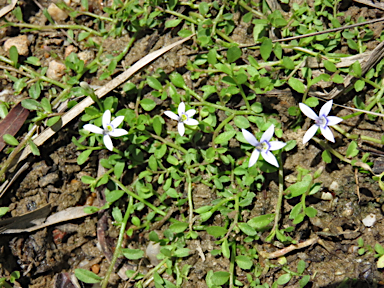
(147, 104)
(216, 231)
(312, 102)
(9, 139)
(83, 157)
(14, 55)
(261, 222)
(359, 85)
(203, 8)
(119, 169)
(244, 262)
(178, 227)
(33, 61)
(301, 266)
(35, 151)
(132, 254)
(241, 122)
(172, 160)
(212, 56)
(87, 276)
(30, 104)
(152, 163)
(220, 278)
(225, 137)
(35, 91)
(157, 124)
(288, 63)
(181, 252)
(3, 110)
(53, 120)
(177, 80)
(247, 229)
(154, 83)
(299, 188)
(310, 212)
(3, 211)
(225, 248)
(329, 66)
(327, 157)
(283, 279)
(296, 85)
(352, 150)
(266, 48)
(114, 195)
(233, 54)
(304, 281)
(172, 23)
(356, 69)
(379, 249)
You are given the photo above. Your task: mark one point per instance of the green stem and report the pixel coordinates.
(246, 7)
(130, 193)
(116, 254)
(53, 27)
(221, 125)
(170, 144)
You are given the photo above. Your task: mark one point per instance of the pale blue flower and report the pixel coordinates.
(323, 121)
(264, 147)
(109, 129)
(184, 117)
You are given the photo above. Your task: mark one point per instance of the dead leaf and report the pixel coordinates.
(12, 122)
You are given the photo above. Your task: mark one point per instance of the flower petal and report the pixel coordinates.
(249, 137)
(276, 145)
(324, 111)
(93, 128)
(172, 115)
(106, 119)
(333, 120)
(310, 133)
(308, 111)
(190, 112)
(181, 108)
(108, 142)
(180, 128)
(270, 158)
(254, 157)
(267, 135)
(327, 133)
(118, 132)
(117, 121)
(191, 122)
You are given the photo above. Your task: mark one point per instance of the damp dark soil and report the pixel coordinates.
(54, 177)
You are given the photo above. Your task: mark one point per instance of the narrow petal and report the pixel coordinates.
(172, 115)
(327, 133)
(191, 122)
(108, 142)
(106, 119)
(180, 128)
(267, 135)
(249, 137)
(310, 133)
(254, 157)
(190, 112)
(118, 132)
(181, 108)
(324, 111)
(333, 120)
(270, 158)
(117, 121)
(93, 128)
(276, 145)
(308, 111)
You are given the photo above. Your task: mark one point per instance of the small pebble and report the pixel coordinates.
(20, 42)
(69, 49)
(153, 249)
(95, 268)
(86, 56)
(334, 186)
(56, 13)
(370, 220)
(55, 70)
(50, 178)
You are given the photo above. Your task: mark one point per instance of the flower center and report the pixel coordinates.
(322, 121)
(110, 128)
(183, 117)
(263, 146)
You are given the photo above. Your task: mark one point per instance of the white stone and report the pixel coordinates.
(20, 42)
(334, 186)
(370, 220)
(56, 13)
(55, 70)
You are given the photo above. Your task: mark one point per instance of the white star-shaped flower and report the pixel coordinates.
(264, 147)
(184, 117)
(323, 121)
(109, 129)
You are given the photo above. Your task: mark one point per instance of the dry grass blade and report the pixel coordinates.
(377, 5)
(79, 108)
(5, 10)
(12, 122)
